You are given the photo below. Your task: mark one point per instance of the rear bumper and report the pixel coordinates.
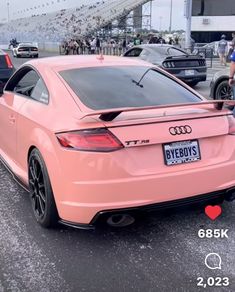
(26, 54)
(102, 216)
(83, 200)
(198, 76)
(193, 79)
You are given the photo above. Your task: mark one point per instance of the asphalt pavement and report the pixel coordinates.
(161, 252)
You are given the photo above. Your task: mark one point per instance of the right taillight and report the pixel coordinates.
(231, 122)
(8, 61)
(98, 140)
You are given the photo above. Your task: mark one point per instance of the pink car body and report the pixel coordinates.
(87, 183)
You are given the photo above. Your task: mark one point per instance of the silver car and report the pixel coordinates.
(220, 88)
(189, 68)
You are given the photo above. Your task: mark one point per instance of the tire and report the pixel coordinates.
(193, 83)
(40, 190)
(223, 91)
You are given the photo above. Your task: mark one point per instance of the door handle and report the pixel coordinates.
(12, 119)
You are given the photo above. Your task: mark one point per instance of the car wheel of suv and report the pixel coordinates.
(41, 194)
(223, 90)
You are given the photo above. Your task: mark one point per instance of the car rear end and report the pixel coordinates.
(6, 68)
(26, 50)
(136, 150)
(190, 69)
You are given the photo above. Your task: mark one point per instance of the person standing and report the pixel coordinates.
(153, 39)
(232, 47)
(170, 42)
(93, 46)
(222, 49)
(98, 45)
(137, 40)
(233, 41)
(232, 73)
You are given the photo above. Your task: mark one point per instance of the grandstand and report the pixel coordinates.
(68, 23)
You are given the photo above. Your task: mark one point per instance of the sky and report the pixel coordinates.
(160, 16)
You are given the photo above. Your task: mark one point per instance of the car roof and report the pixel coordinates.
(152, 46)
(60, 63)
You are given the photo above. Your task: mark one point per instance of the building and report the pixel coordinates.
(211, 19)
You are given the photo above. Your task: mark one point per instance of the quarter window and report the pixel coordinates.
(40, 92)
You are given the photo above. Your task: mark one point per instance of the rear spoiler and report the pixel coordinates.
(110, 114)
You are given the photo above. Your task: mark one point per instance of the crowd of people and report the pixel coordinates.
(55, 26)
(96, 44)
(66, 23)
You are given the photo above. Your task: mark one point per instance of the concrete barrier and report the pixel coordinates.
(49, 47)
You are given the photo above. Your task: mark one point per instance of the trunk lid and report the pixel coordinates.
(172, 126)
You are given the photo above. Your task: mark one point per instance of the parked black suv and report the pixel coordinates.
(6, 68)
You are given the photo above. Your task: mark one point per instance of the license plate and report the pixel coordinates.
(189, 72)
(181, 152)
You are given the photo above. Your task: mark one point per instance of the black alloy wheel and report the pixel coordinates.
(40, 190)
(223, 91)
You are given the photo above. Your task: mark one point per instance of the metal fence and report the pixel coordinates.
(106, 50)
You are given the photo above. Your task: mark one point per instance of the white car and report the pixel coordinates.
(25, 50)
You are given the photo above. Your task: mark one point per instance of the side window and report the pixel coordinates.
(27, 83)
(134, 53)
(40, 92)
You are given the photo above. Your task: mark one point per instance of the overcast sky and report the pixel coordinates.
(160, 19)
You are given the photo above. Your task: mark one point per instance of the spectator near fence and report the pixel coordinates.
(137, 40)
(222, 49)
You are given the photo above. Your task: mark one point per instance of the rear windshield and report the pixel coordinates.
(127, 86)
(3, 63)
(168, 51)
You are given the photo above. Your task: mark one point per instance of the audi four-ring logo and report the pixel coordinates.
(180, 130)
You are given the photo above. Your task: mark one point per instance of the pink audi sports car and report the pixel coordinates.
(96, 138)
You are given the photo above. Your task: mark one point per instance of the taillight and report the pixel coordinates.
(8, 61)
(231, 122)
(100, 140)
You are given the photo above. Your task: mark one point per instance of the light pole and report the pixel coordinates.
(170, 27)
(160, 24)
(8, 11)
(188, 15)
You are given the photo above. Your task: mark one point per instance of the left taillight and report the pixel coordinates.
(8, 61)
(97, 140)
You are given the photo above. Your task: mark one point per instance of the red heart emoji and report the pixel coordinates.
(213, 212)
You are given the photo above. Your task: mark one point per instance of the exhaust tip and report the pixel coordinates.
(120, 220)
